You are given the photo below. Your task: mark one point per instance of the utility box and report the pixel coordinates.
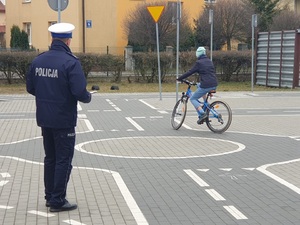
(277, 58)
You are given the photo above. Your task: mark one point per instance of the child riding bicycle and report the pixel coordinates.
(208, 80)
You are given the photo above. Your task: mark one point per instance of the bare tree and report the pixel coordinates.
(232, 20)
(140, 28)
(234, 16)
(285, 20)
(203, 31)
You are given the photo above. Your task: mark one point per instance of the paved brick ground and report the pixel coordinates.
(132, 168)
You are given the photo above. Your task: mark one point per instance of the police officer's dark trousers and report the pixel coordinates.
(59, 152)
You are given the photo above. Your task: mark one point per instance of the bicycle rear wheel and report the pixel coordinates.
(179, 113)
(219, 117)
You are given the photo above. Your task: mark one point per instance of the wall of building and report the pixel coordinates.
(106, 17)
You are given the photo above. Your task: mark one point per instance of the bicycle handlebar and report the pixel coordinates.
(189, 82)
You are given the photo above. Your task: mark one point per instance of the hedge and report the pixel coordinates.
(230, 65)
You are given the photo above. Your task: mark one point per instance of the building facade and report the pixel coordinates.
(99, 23)
(2, 25)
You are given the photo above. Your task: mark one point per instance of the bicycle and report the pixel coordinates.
(219, 114)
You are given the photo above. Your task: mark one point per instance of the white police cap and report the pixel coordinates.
(61, 30)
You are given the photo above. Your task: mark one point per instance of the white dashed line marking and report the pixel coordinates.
(6, 207)
(213, 193)
(113, 105)
(82, 116)
(203, 170)
(196, 178)
(225, 169)
(235, 212)
(163, 112)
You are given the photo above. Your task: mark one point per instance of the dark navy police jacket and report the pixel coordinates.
(57, 81)
(205, 68)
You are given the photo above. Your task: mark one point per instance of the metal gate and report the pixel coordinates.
(277, 58)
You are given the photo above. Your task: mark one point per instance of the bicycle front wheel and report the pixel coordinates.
(219, 117)
(179, 113)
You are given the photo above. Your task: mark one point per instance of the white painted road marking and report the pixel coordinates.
(213, 193)
(263, 169)
(135, 210)
(4, 175)
(216, 196)
(113, 105)
(82, 116)
(6, 207)
(235, 212)
(225, 169)
(163, 112)
(152, 107)
(196, 178)
(134, 124)
(131, 203)
(3, 182)
(259, 111)
(203, 170)
(39, 213)
(73, 222)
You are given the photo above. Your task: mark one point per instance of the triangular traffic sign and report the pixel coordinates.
(155, 12)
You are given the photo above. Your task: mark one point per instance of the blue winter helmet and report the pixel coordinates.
(200, 51)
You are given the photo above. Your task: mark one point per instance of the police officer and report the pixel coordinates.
(57, 81)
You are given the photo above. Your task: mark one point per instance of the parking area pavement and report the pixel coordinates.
(131, 167)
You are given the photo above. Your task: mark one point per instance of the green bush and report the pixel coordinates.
(19, 39)
(102, 63)
(227, 63)
(146, 66)
(111, 63)
(88, 62)
(15, 64)
(231, 65)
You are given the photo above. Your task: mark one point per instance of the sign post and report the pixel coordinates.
(211, 22)
(177, 45)
(155, 12)
(58, 5)
(254, 24)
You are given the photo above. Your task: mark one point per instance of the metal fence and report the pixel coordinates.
(277, 59)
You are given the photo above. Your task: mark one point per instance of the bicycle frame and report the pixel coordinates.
(219, 114)
(189, 93)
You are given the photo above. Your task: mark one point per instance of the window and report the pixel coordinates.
(49, 35)
(27, 29)
(210, 1)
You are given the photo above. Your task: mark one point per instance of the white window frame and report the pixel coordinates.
(28, 30)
